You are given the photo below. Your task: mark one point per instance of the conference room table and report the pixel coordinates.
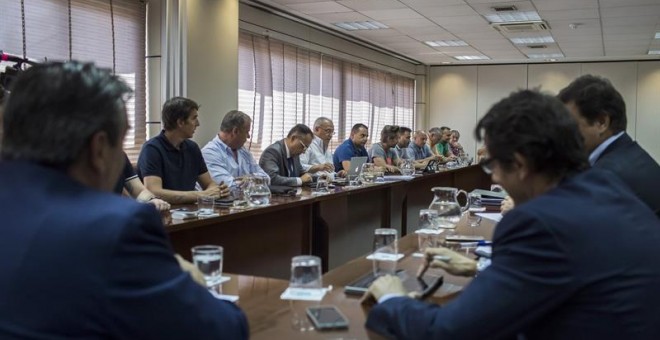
(337, 227)
(270, 317)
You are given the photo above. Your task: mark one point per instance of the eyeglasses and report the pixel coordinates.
(303, 145)
(329, 131)
(487, 165)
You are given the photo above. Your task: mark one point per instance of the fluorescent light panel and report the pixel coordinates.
(446, 43)
(360, 25)
(471, 57)
(532, 40)
(657, 35)
(654, 52)
(512, 17)
(545, 55)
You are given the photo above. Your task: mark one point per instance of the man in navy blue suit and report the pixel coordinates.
(76, 260)
(600, 112)
(577, 258)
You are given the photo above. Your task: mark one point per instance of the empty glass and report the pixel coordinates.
(322, 182)
(306, 274)
(427, 219)
(385, 252)
(428, 238)
(208, 259)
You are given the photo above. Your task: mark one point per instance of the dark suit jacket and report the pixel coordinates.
(80, 263)
(635, 167)
(578, 262)
(274, 162)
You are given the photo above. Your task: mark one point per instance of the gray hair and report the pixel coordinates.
(55, 108)
(435, 131)
(234, 119)
(319, 121)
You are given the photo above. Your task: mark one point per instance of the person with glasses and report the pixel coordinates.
(351, 147)
(577, 257)
(383, 154)
(318, 156)
(281, 160)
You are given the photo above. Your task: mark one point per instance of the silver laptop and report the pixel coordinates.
(356, 165)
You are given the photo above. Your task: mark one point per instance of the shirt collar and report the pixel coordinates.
(288, 154)
(222, 144)
(318, 141)
(593, 157)
(169, 145)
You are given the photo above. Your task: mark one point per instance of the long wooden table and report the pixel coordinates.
(338, 226)
(270, 318)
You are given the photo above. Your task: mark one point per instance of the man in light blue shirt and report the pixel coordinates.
(226, 158)
(318, 156)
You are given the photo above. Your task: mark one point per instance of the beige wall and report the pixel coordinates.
(460, 95)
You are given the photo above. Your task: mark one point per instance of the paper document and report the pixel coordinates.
(491, 216)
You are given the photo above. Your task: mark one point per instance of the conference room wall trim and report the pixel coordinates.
(460, 95)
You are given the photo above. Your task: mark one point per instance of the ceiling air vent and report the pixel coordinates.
(510, 8)
(521, 27)
(537, 46)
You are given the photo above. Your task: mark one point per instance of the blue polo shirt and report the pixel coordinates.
(178, 168)
(345, 152)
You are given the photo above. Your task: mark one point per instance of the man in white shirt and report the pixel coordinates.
(226, 158)
(318, 156)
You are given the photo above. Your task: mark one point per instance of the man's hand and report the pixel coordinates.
(507, 204)
(213, 191)
(316, 168)
(341, 173)
(388, 284)
(392, 169)
(306, 178)
(190, 268)
(159, 204)
(224, 189)
(456, 264)
(329, 167)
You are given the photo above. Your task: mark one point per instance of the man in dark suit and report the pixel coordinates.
(76, 260)
(577, 258)
(281, 160)
(600, 112)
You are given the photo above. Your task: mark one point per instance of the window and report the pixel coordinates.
(281, 85)
(86, 35)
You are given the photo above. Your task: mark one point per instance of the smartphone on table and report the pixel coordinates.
(327, 317)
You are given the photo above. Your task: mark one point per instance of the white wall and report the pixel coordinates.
(460, 95)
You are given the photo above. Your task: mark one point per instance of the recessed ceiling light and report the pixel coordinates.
(446, 43)
(654, 52)
(545, 55)
(512, 17)
(471, 57)
(657, 35)
(532, 40)
(360, 25)
(446, 62)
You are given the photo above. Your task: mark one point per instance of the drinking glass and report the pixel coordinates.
(306, 274)
(322, 182)
(368, 173)
(205, 205)
(427, 219)
(428, 234)
(208, 259)
(385, 251)
(475, 206)
(407, 167)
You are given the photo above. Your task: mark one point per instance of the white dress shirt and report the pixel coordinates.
(315, 154)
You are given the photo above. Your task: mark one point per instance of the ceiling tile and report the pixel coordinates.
(319, 7)
(592, 52)
(628, 11)
(286, 2)
(428, 3)
(631, 20)
(564, 4)
(628, 37)
(641, 29)
(437, 36)
(363, 5)
(418, 22)
(377, 33)
(487, 8)
(447, 11)
(573, 14)
(431, 30)
(460, 20)
(385, 14)
(619, 3)
(339, 17)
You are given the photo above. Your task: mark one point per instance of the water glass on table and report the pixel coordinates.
(305, 273)
(385, 251)
(475, 206)
(208, 259)
(205, 205)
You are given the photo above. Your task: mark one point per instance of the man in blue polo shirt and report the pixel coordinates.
(170, 164)
(352, 147)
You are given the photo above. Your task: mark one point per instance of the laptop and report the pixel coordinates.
(356, 165)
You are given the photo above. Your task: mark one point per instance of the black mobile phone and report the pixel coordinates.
(327, 317)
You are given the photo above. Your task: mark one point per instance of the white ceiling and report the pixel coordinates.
(606, 29)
